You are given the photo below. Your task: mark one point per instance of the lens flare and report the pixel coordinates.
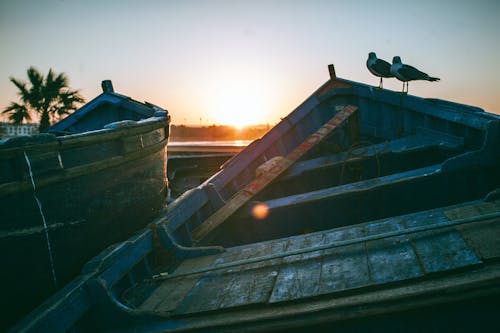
(260, 211)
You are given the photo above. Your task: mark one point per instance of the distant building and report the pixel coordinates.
(8, 130)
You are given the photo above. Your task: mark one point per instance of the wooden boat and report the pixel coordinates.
(187, 171)
(363, 210)
(190, 163)
(65, 198)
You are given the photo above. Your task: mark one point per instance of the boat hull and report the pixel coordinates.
(72, 200)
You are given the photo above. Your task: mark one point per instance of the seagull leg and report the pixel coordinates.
(405, 84)
(380, 85)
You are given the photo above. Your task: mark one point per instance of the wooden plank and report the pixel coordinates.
(215, 291)
(194, 263)
(390, 259)
(481, 236)
(442, 250)
(250, 252)
(303, 242)
(238, 285)
(348, 189)
(389, 301)
(252, 287)
(169, 294)
(345, 269)
(473, 210)
(342, 234)
(297, 280)
(19, 186)
(206, 294)
(277, 167)
(300, 275)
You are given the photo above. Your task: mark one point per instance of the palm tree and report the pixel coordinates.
(50, 97)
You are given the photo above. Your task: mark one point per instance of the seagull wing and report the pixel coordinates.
(383, 68)
(412, 73)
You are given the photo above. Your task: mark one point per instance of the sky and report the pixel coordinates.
(249, 62)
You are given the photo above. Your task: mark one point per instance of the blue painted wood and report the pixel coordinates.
(184, 252)
(106, 108)
(183, 208)
(407, 144)
(134, 251)
(488, 154)
(108, 257)
(454, 112)
(349, 188)
(391, 259)
(439, 250)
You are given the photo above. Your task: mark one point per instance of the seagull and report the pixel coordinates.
(378, 67)
(407, 73)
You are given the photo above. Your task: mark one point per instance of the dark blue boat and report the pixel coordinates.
(97, 177)
(363, 210)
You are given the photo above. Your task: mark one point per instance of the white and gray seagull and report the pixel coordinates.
(378, 67)
(408, 73)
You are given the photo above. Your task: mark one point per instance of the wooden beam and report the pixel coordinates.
(268, 172)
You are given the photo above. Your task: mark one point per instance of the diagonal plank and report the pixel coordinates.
(278, 166)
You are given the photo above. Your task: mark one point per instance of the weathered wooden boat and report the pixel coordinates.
(96, 178)
(190, 163)
(363, 210)
(187, 171)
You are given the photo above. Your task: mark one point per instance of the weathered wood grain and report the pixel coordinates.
(169, 294)
(483, 237)
(304, 242)
(473, 210)
(345, 269)
(390, 259)
(443, 250)
(317, 272)
(297, 280)
(215, 291)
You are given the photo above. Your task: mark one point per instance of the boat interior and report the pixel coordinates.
(391, 157)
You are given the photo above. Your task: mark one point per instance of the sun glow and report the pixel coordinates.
(239, 105)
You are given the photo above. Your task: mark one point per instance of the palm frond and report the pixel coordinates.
(17, 112)
(35, 77)
(49, 96)
(36, 94)
(61, 80)
(21, 85)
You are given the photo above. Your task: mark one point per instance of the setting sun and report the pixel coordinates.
(239, 101)
(238, 106)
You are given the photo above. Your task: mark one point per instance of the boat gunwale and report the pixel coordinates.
(87, 138)
(469, 115)
(80, 170)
